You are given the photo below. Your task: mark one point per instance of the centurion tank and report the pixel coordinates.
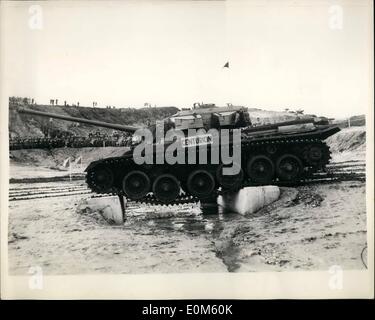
(282, 153)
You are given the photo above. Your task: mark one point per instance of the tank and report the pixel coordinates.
(287, 152)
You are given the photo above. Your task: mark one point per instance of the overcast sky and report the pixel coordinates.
(310, 54)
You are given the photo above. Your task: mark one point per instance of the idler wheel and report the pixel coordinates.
(201, 183)
(260, 169)
(136, 184)
(229, 181)
(166, 188)
(289, 168)
(100, 179)
(317, 154)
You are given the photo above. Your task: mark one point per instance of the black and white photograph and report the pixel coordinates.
(190, 138)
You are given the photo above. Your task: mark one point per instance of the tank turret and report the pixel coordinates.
(209, 116)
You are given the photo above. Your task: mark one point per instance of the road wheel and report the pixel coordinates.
(201, 183)
(136, 184)
(289, 168)
(166, 188)
(260, 169)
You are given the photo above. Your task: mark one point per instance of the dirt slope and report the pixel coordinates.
(348, 139)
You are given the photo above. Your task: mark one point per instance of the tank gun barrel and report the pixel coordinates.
(274, 126)
(114, 126)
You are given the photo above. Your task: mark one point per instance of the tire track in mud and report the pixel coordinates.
(45, 187)
(45, 191)
(42, 196)
(38, 191)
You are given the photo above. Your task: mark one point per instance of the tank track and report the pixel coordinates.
(189, 199)
(302, 144)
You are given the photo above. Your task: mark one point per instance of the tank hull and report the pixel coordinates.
(266, 158)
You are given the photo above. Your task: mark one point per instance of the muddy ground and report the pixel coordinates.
(310, 228)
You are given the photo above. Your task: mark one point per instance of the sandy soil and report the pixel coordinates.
(309, 228)
(50, 234)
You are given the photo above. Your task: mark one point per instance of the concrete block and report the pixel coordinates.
(249, 200)
(108, 207)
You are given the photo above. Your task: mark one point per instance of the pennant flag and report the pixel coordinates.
(78, 160)
(66, 163)
(226, 65)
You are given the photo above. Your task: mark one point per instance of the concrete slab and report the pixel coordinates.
(245, 201)
(249, 200)
(109, 208)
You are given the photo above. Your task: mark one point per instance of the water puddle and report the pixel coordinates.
(187, 219)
